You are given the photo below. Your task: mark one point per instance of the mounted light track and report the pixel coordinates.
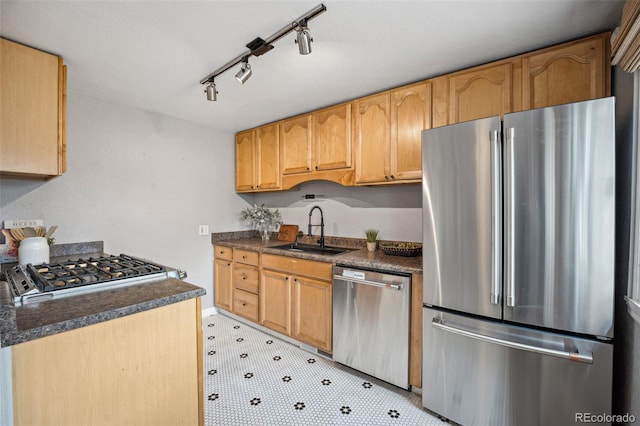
(259, 47)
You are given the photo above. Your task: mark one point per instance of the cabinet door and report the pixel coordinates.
(312, 312)
(410, 115)
(245, 161)
(295, 145)
(275, 301)
(372, 138)
(32, 107)
(332, 137)
(223, 281)
(268, 157)
(480, 93)
(568, 73)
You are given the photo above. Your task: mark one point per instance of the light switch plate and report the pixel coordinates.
(203, 230)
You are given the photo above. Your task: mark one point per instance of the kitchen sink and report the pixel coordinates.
(313, 248)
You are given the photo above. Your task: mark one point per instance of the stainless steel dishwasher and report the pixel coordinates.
(371, 322)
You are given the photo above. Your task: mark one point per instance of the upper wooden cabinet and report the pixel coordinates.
(295, 142)
(384, 129)
(475, 93)
(332, 137)
(572, 72)
(317, 146)
(410, 115)
(32, 112)
(372, 133)
(258, 159)
(388, 134)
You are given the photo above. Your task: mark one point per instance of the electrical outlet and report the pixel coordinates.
(203, 230)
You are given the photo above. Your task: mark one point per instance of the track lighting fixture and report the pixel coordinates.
(212, 93)
(245, 71)
(303, 38)
(259, 47)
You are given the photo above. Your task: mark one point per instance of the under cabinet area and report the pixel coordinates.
(376, 139)
(32, 112)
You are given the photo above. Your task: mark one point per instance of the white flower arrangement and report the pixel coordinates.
(261, 217)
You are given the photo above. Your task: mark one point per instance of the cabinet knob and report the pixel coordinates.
(308, 169)
(258, 186)
(228, 264)
(316, 167)
(386, 178)
(244, 257)
(244, 277)
(393, 177)
(244, 304)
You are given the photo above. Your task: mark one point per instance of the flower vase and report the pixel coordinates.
(265, 234)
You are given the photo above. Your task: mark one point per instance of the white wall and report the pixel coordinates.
(139, 181)
(395, 210)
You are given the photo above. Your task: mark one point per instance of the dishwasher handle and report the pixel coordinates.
(391, 286)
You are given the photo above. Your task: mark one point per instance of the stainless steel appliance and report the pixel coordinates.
(33, 283)
(371, 322)
(518, 230)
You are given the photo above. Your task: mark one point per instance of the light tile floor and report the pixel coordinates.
(252, 378)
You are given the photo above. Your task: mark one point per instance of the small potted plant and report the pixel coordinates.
(372, 239)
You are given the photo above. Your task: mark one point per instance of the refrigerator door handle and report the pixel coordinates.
(496, 217)
(571, 356)
(510, 211)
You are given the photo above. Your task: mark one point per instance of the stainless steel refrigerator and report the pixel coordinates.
(518, 232)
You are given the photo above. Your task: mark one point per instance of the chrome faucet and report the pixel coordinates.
(321, 240)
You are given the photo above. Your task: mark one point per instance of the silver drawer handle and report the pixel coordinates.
(571, 356)
(390, 286)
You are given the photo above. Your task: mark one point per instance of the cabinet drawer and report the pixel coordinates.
(291, 265)
(246, 278)
(246, 305)
(245, 256)
(223, 252)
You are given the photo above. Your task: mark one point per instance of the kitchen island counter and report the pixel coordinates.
(35, 320)
(21, 324)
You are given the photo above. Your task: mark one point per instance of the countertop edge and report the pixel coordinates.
(358, 257)
(11, 336)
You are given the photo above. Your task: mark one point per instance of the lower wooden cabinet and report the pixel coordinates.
(223, 277)
(311, 308)
(245, 304)
(296, 299)
(275, 301)
(141, 369)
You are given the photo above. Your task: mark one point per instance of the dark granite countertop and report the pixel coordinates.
(359, 257)
(23, 323)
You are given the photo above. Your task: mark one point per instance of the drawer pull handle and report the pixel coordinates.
(244, 304)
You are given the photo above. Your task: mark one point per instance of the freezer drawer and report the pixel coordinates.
(478, 372)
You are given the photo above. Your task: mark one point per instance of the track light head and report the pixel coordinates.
(303, 38)
(245, 71)
(212, 92)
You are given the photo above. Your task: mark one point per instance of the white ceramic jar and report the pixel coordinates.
(33, 250)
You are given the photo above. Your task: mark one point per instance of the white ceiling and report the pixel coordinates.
(153, 54)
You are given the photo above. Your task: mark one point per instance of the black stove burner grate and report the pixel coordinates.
(95, 270)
